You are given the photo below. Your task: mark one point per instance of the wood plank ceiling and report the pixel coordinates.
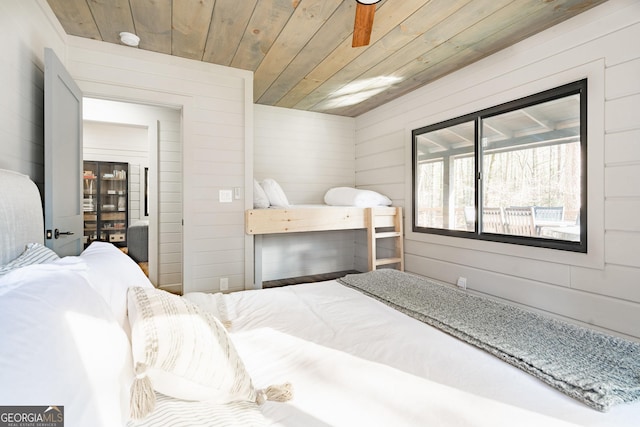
(300, 50)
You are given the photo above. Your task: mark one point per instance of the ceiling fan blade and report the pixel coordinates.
(363, 24)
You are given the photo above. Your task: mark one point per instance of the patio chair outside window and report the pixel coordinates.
(548, 213)
(544, 216)
(519, 221)
(492, 220)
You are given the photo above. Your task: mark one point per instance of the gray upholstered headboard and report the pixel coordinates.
(21, 219)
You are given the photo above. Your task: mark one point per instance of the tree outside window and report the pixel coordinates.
(513, 173)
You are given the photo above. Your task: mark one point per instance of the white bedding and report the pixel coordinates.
(352, 360)
(348, 355)
(334, 388)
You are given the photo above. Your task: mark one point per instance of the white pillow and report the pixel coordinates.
(260, 199)
(182, 413)
(35, 253)
(111, 272)
(183, 351)
(213, 304)
(347, 196)
(275, 193)
(62, 346)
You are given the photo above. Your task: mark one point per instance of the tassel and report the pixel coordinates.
(275, 393)
(143, 398)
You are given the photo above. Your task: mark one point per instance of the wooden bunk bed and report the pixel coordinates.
(382, 222)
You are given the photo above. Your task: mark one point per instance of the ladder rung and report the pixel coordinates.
(386, 261)
(388, 234)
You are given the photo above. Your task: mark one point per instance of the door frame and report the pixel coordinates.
(182, 103)
(152, 127)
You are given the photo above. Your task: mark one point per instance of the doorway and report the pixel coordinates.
(148, 138)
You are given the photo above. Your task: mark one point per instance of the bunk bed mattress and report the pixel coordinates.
(347, 354)
(305, 218)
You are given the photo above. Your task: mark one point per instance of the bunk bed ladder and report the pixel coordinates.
(381, 218)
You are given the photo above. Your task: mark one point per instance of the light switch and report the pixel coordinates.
(226, 196)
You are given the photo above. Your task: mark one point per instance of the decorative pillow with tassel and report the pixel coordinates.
(184, 352)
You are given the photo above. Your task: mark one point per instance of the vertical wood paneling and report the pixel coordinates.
(153, 24)
(188, 19)
(337, 28)
(606, 296)
(224, 32)
(302, 26)
(81, 19)
(112, 18)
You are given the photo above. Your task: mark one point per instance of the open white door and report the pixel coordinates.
(63, 220)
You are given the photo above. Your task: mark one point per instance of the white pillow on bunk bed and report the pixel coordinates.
(184, 351)
(347, 196)
(62, 346)
(260, 198)
(275, 193)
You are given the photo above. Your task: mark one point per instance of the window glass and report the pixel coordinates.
(445, 170)
(517, 168)
(531, 170)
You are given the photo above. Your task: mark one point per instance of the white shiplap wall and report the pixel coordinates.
(602, 288)
(169, 198)
(217, 118)
(24, 33)
(306, 153)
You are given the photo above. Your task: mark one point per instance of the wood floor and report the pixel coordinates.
(306, 279)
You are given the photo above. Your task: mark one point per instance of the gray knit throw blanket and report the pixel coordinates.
(592, 367)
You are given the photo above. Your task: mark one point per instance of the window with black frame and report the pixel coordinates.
(146, 191)
(514, 173)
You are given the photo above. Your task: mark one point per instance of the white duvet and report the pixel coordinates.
(354, 361)
(333, 388)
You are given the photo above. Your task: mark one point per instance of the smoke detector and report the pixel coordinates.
(129, 39)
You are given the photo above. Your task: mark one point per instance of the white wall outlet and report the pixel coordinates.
(224, 283)
(462, 282)
(225, 196)
(237, 194)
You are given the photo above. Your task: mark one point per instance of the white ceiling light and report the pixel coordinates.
(129, 39)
